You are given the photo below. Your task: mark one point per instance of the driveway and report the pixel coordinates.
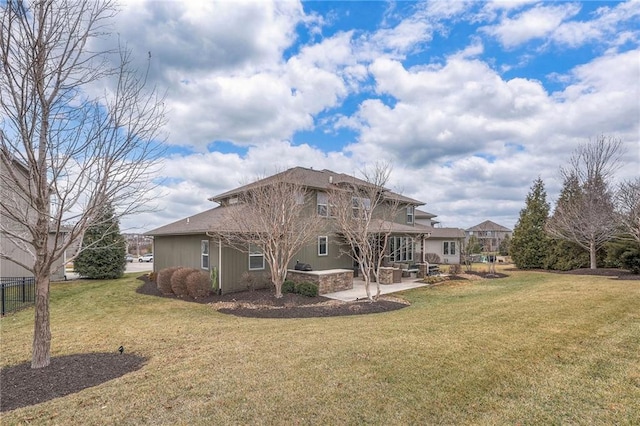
(136, 266)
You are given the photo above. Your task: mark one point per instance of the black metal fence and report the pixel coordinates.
(17, 293)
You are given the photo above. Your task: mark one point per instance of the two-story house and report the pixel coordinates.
(14, 213)
(489, 235)
(188, 243)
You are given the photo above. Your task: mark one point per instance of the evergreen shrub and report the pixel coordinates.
(307, 289)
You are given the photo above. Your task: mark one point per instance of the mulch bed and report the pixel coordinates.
(21, 386)
(263, 304)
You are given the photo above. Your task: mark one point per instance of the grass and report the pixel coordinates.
(533, 348)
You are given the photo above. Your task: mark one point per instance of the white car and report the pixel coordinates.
(146, 258)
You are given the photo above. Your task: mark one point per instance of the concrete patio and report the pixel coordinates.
(358, 291)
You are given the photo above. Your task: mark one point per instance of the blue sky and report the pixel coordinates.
(470, 101)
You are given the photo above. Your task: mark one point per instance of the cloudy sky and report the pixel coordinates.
(470, 101)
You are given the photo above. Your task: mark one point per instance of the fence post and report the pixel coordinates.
(24, 289)
(2, 296)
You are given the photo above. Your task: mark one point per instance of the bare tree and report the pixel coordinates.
(65, 153)
(628, 209)
(364, 215)
(584, 213)
(272, 215)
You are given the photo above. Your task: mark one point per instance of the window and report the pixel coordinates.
(256, 258)
(323, 207)
(204, 254)
(299, 197)
(401, 249)
(323, 246)
(410, 214)
(359, 204)
(449, 247)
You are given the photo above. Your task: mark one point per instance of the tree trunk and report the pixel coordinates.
(592, 255)
(366, 276)
(42, 330)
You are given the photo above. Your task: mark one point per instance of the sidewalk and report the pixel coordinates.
(358, 291)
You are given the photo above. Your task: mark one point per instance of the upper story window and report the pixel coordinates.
(299, 197)
(360, 204)
(410, 214)
(323, 204)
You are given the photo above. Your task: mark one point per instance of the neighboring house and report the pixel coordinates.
(489, 235)
(13, 200)
(186, 242)
(439, 245)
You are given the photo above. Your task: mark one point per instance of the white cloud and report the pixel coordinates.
(537, 22)
(461, 137)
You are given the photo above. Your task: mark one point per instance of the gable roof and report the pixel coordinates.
(316, 179)
(488, 225)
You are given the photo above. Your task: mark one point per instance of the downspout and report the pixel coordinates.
(220, 265)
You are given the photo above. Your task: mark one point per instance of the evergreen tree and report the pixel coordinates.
(505, 246)
(530, 242)
(103, 249)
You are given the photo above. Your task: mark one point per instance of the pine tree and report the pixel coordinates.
(530, 242)
(103, 249)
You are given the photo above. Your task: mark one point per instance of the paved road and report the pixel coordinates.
(136, 266)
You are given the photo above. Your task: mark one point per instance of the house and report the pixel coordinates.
(188, 242)
(439, 244)
(489, 235)
(15, 203)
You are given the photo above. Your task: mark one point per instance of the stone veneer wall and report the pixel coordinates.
(327, 281)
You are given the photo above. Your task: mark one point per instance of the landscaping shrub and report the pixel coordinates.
(432, 258)
(179, 281)
(455, 269)
(153, 277)
(288, 287)
(434, 279)
(307, 289)
(164, 280)
(198, 284)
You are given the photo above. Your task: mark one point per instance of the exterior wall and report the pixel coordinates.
(178, 250)
(234, 265)
(333, 260)
(401, 217)
(327, 281)
(433, 245)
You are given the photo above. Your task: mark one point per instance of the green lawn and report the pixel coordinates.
(533, 348)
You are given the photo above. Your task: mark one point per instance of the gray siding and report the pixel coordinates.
(335, 259)
(177, 250)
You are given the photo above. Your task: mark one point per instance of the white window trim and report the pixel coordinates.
(256, 253)
(326, 245)
(449, 246)
(401, 249)
(203, 254)
(411, 214)
(325, 203)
